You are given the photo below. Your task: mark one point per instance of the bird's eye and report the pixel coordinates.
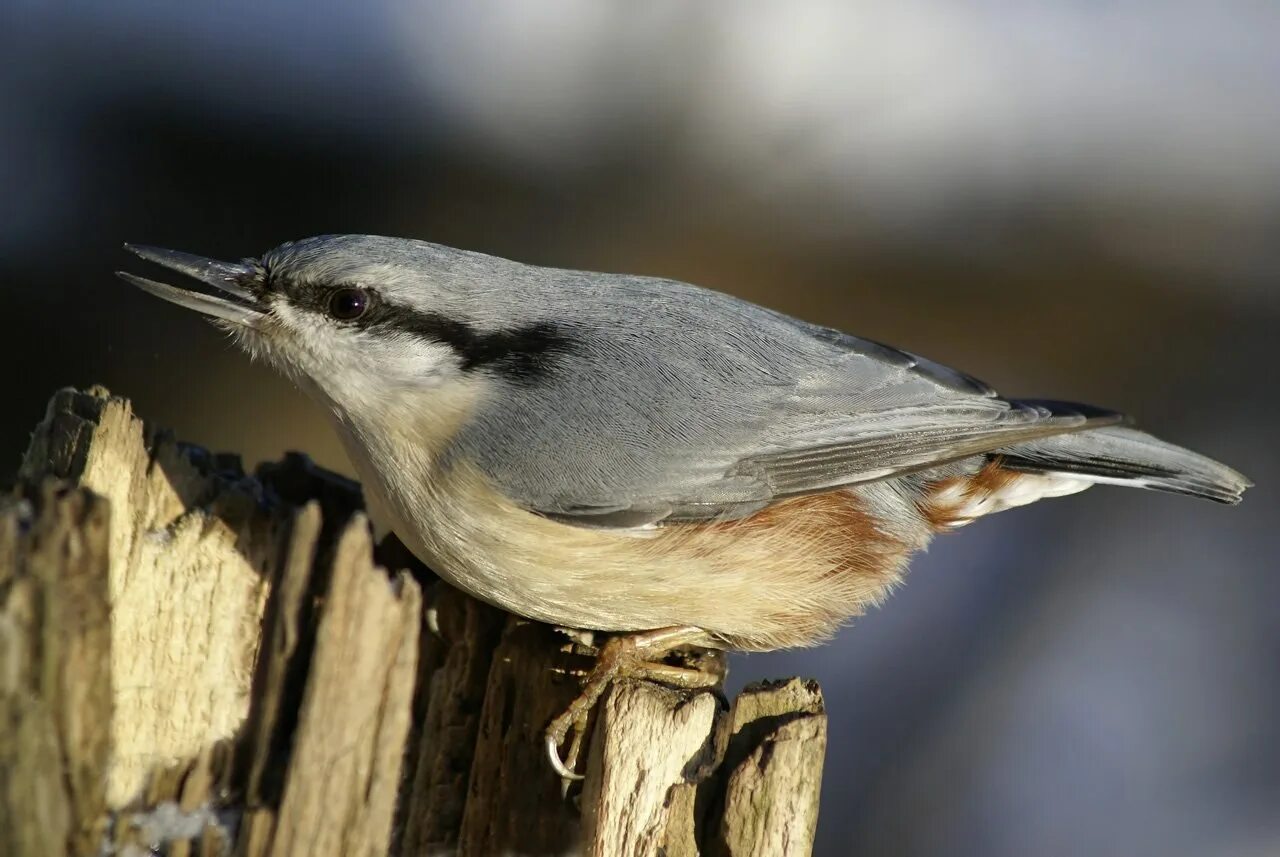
(348, 304)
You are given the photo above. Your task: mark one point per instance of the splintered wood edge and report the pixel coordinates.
(648, 741)
(187, 583)
(344, 771)
(177, 522)
(513, 801)
(283, 636)
(454, 684)
(55, 684)
(774, 771)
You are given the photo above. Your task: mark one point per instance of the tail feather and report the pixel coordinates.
(1126, 456)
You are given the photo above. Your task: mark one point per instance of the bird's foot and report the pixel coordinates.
(637, 656)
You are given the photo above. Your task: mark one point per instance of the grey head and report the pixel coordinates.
(357, 316)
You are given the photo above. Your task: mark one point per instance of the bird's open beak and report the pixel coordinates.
(230, 278)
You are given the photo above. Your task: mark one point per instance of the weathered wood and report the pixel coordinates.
(468, 632)
(186, 583)
(344, 769)
(55, 695)
(208, 663)
(512, 805)
(774, 771)
(649, 741)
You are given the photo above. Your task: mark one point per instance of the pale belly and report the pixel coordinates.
(770, 581)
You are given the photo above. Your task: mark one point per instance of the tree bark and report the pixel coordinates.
(196, 661)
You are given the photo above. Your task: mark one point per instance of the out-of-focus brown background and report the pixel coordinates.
(1076, 200)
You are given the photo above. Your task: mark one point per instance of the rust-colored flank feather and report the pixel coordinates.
(830, 561)
(833, 515)
(952, 503)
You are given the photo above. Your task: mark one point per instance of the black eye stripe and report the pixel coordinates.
(319, 298)
(523, 354)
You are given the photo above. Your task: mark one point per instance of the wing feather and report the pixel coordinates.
(896, 453)
(695, 405)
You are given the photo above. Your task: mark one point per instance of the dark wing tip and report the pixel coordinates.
(1091, 413)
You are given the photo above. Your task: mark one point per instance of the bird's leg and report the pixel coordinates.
(627, 656)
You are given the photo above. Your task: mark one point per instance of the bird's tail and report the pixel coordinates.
(1125, 456)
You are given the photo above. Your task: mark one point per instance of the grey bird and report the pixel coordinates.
(643, 456)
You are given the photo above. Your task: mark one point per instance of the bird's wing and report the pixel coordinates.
(894, 443)
(672, 418)
(880, 412)
(902, 444)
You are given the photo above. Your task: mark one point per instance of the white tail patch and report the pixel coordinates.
(962, 502)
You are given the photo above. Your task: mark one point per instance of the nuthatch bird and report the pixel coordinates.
(638, 455)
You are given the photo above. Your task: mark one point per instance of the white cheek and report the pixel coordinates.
(348, 363)
(408, 361)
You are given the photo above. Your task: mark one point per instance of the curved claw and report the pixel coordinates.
(634, 655)
(553, 754)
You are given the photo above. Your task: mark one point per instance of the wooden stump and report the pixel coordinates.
(197, 661)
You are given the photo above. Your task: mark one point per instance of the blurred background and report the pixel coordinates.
(1067, 199)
